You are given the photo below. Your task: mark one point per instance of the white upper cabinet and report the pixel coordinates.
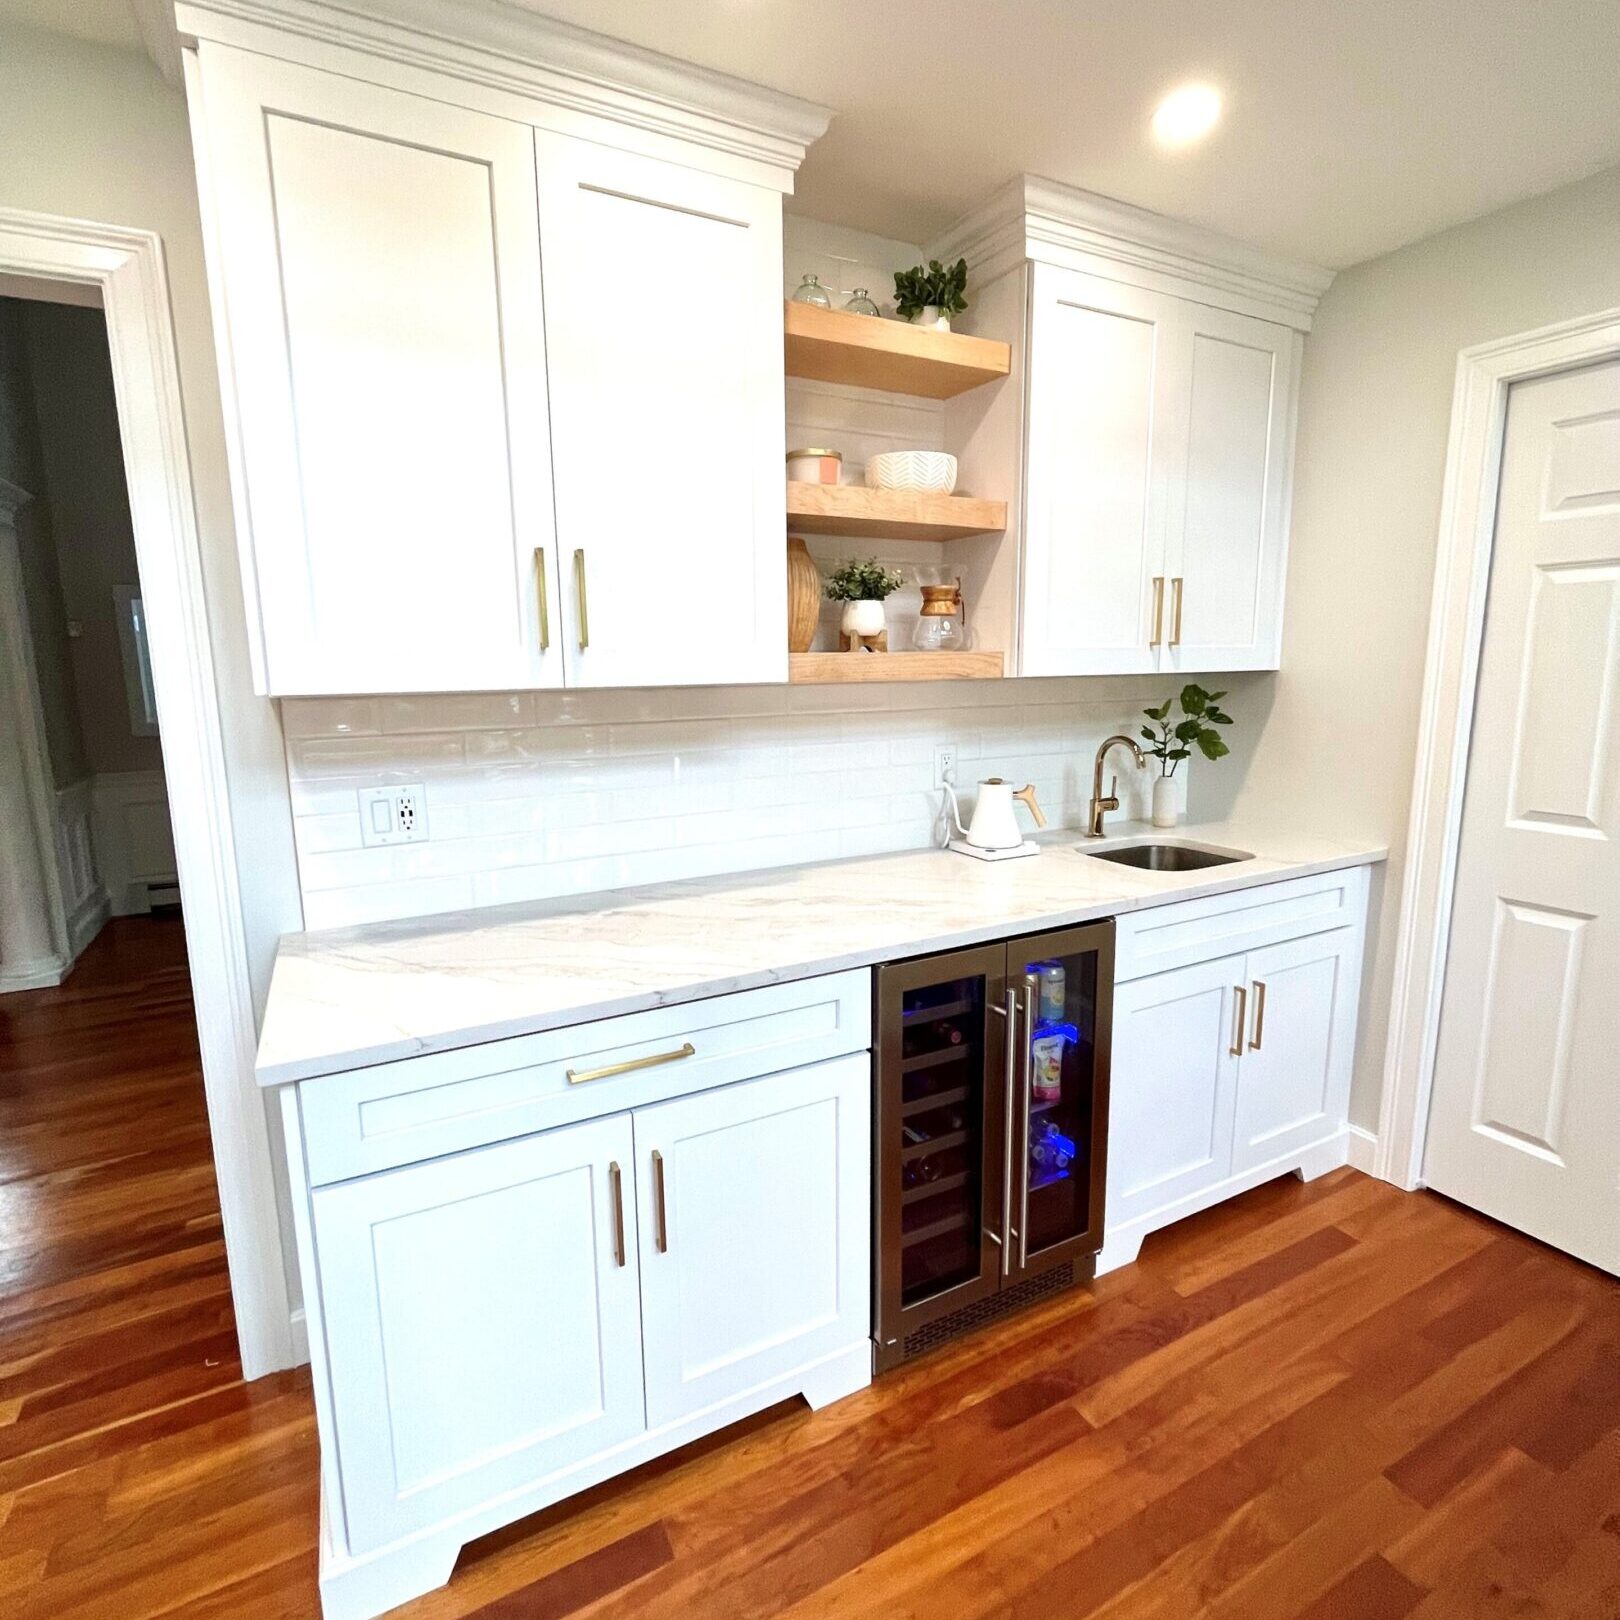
(376, 257)
(664, 323)
(1227, 540)
(451, 472)
(1152, 448)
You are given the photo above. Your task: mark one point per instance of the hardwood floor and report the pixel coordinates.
(1331, 1402)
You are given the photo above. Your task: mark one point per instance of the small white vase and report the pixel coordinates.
(863, 619)
(1166, 806)
(932, 317)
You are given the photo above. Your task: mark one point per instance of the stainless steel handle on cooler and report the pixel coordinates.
(1028, 1068)
(1011, 1015)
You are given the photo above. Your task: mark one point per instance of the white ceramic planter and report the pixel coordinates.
(933, 318)
(932, 471)
(862, 619)
(1166, 801)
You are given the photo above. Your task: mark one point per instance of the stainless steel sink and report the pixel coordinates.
(1167, 857)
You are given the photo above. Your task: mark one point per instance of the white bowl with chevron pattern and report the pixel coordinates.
(931, 471)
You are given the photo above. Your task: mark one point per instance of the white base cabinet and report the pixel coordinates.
(508, 1324)
(1235, 1068)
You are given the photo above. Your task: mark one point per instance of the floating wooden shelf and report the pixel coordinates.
(890, 514)
(825, 669)
(830, 346)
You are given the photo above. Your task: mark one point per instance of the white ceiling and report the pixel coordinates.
(1351, 126)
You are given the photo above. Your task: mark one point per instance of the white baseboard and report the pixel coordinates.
(298, 1327)
(1363, 1150)
(88, 921)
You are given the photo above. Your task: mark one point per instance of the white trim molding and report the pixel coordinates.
(1363, 1150)
(511, 50)
(127, 265)
(1031, 218)
(1456, 629)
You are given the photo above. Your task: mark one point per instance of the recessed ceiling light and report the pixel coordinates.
(1186, 115)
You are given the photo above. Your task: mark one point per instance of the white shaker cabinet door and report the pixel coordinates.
(755, 1211)
(1228, 524)
(1102, 404)
(1294, 1081)
(482, 1323)
(664, 328)
(1175, 1073)
(375, 265)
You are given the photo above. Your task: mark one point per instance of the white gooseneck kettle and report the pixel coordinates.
(993, 832)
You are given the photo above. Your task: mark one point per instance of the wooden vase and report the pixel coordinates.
(804, 595)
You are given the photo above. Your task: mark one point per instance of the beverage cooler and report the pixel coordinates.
(992, 1124)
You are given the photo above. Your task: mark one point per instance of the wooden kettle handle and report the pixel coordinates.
(1027, 794)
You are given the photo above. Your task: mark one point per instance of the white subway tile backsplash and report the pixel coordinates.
(539, 795)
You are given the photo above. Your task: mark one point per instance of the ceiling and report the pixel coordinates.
(1351, 126)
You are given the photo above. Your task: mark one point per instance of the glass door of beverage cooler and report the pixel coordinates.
(939, 1150)
(1062, 985)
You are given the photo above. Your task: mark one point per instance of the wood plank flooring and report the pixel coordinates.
(1327, 1402)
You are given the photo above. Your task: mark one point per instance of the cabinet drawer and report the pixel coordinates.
(1173, 936)
(395, 1113)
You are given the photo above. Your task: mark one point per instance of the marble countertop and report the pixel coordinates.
(354, 996)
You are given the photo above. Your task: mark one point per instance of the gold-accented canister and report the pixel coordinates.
(814, 466)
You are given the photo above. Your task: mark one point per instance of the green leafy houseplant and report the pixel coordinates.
(862, 580)
(1171, 743)
(916, 288)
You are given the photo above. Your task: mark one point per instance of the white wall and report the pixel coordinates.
(1332, 737)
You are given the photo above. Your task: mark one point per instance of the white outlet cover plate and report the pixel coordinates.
(393, 815)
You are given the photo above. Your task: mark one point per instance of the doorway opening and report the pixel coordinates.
(106, 1159)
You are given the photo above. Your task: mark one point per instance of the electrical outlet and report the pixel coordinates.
(393, 815)
(945, 765)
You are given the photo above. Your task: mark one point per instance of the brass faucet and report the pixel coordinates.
(1099, 805)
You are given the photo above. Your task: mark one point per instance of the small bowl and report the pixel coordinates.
(931, 471)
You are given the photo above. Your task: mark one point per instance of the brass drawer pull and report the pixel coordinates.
(658, 1191)
(579, 591)
(540, 596)
(1158, 610)
(617, 1181)
(578, 1077)
(1175, 611)
(1259, 1015)
(1236, 1048)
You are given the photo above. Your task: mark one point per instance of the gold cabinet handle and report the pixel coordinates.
(1259, 1015)
(1158, 610)
(1175, 611)
(658, 1201)
(540, 596)
(578, 1077)
(617, 1181)
(1242, 1018)
(579, 592)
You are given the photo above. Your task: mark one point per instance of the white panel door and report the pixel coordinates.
(379, 258)
(482, 1323)
(1170, 1102)
(1525, 1118)
(755, 1211)
(664, 322)
(1228, 526)
(1102, 408)
(1293, 1083)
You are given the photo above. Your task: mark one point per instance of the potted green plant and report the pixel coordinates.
(1171, 742)
(863, 585)
(930, 296)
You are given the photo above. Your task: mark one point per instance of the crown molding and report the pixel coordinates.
(155, 20)
(1031, 218)
(509, 48)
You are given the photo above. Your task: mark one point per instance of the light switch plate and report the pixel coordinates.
(393, 815)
